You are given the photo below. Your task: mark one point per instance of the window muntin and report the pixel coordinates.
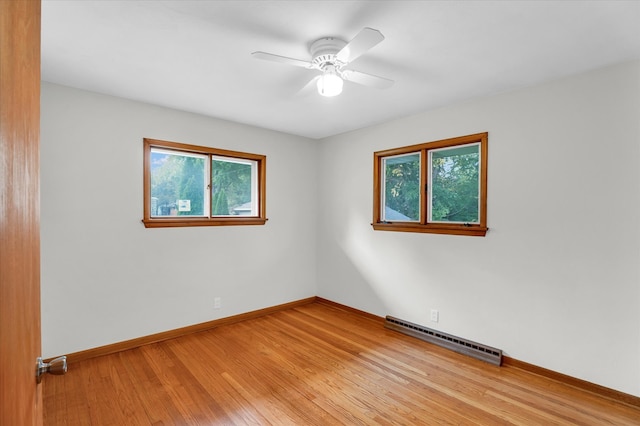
(452, 191)
(188, 185)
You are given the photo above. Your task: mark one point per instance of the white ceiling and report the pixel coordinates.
(196, 55)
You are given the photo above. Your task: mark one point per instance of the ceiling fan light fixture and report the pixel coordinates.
(330, 84)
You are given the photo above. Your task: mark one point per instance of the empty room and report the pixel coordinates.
(320, 212)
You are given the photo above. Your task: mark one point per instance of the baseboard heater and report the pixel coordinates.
(463, 346)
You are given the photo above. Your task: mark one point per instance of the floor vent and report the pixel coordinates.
(463, 346)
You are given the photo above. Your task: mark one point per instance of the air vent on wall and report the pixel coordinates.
(457, 344)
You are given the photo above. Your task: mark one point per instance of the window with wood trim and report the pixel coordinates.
(437, 187)
(188, 185)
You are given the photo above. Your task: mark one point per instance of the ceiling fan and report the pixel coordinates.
(331, 56)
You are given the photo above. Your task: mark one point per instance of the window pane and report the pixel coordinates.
(177, 183)
(454, 183)
(401, 188)
(233, 187)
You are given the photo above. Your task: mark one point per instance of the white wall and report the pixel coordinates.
(106, 278)
(556, 281)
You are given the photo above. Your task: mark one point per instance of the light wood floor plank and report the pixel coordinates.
(315, 364)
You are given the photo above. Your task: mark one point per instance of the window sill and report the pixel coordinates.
(472, 230)
(179, 222)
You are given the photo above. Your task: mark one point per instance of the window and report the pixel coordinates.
(437, 187)
(187, 185)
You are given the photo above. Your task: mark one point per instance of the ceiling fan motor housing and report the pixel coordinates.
(324, 52)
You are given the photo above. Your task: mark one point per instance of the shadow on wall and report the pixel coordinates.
(359, 276)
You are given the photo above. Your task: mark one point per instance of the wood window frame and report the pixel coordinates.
(480, 229)
(184, 221)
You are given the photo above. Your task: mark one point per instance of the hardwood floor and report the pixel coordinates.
(312, 365)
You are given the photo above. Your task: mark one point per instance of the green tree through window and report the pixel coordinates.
(455, 184)
(175, 177)
(191, 186)
(402, 185)
(231, 185)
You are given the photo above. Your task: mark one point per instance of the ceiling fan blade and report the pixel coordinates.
(367, 79)
(363, 41)
(283, 59)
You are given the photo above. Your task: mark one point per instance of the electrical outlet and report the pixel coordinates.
(435, 315)
(217, 302)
